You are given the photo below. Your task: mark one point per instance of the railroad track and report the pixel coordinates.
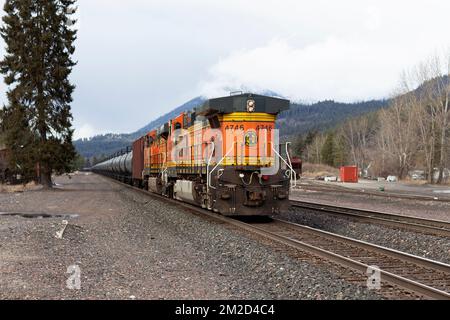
(427, 226)
(423, 276)
(383, 194)
(418, 276)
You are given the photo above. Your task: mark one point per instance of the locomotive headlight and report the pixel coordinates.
(251, 105)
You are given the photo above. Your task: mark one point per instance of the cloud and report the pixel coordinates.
(140, 59)
(334, 68)
(353, 51)
(85, 131)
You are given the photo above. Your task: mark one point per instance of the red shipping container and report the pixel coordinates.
(349, 174)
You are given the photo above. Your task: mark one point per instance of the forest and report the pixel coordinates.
(408, 138)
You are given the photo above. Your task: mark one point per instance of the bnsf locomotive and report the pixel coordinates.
(224, 156)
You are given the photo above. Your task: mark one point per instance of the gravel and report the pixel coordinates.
(428, 246)
(425, 209)
(131, 246)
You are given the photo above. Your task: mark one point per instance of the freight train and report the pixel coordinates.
(224, 156)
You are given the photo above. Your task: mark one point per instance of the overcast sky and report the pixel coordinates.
(138, 59)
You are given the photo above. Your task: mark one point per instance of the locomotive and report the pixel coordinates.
(224, 156)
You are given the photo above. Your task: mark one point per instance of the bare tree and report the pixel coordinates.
(441, 72)
(314, 150)
(358, 134)
(397, 134)
(426, 91)
(433, 111)
(417, 83)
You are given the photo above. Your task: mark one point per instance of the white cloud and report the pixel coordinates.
(334, 68)
(356, 51)
(374, 19)
(139, 59)
(85, 131)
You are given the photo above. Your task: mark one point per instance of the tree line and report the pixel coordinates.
(411, 134)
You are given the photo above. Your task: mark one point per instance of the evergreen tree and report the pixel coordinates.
(78, 163)
(310, 137)
(328, 150)
(340, 151)
(302, 142)
(299, 146)
(19, 140)
(37, 65)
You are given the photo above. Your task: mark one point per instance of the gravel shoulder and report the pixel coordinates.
(131, 246)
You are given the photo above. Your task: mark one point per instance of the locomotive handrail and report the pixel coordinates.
(208, 177)
(165, 167)
(293, 176)
(207, 167)
(293, 173)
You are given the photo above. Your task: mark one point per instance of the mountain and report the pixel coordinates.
(323, 115)
(104, 145)
(301, 118)
(196, 102)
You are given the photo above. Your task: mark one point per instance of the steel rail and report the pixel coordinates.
(428, 226)
(391, 278)
(397, 195)
(354, 264)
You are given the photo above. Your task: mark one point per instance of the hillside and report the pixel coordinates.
(106, 144)
(172, 114)
(323, 115)
(299, 119)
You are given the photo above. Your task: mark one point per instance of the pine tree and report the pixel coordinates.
(328, 150)
(340, 151)
(310, 137)
(37, 65)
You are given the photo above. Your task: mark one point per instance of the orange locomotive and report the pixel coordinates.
(224, 156)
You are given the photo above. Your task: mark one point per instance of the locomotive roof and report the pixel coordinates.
(238, 103)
